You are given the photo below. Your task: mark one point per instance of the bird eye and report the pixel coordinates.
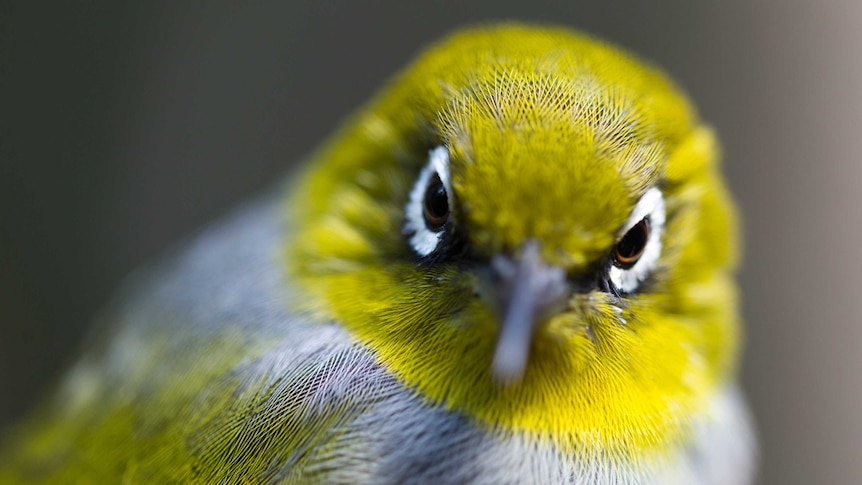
(428, 213)
(630, 248)
(636, 253)
(436, 204)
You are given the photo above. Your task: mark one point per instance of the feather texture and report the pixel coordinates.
(207, 377)
(302, 340)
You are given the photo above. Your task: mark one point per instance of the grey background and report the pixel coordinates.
(126, 128)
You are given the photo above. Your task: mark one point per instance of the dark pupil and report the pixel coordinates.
(632, 245)
(436, 204)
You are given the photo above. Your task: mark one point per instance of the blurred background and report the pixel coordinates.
(127, 127)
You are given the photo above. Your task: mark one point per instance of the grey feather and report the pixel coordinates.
(308, 383)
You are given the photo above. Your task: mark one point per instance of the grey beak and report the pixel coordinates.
(528, 290)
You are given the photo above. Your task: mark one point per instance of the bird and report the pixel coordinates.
(515, 264)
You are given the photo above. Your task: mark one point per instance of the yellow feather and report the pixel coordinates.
(553, 136)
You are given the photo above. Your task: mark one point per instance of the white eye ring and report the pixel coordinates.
(422, 239)
(651, 207)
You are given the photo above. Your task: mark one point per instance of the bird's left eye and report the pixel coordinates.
(637, 250)
(429, 210)
(631, 247)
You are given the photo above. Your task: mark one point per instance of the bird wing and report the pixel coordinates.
(200, 373)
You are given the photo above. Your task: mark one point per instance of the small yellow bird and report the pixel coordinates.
(514, 265)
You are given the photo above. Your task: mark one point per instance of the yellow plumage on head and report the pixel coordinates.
(513, 265)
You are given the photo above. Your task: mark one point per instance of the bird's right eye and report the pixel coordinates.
(429, 210)
(436, 205)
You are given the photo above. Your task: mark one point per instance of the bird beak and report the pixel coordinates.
(528, 291)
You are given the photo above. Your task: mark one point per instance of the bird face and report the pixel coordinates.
(528, 227)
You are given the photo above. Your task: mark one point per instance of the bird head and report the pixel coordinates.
(528, 226)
